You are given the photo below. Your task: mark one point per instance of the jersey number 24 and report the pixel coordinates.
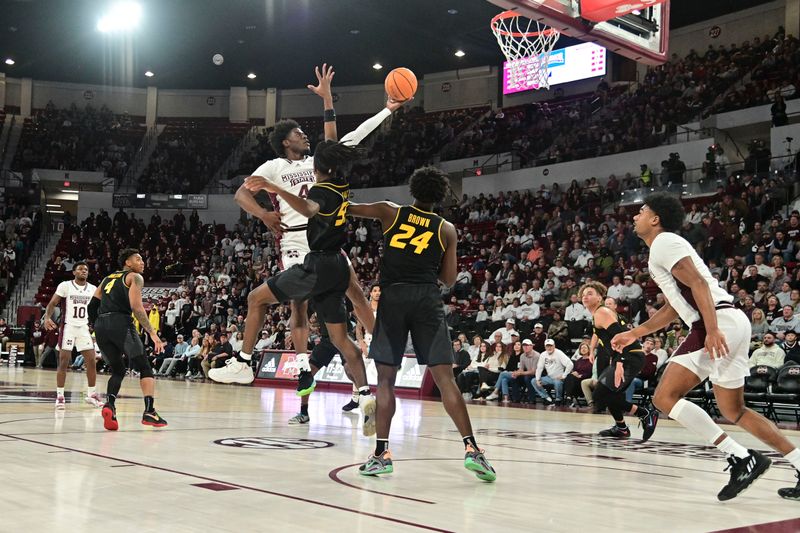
(406, 235)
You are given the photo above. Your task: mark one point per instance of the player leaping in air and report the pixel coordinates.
(294, 172)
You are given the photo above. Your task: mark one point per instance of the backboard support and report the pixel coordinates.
(643, 38)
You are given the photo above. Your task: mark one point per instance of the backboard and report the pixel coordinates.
(641, 33)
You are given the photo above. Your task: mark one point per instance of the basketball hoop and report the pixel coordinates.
(527, 44)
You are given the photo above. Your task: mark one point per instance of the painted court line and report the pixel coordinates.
(237, 485)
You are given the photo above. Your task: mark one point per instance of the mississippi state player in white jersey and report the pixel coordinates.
(294, 172)
(74, 296)
(716, 347)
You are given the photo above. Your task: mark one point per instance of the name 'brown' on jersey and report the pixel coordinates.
(114, 294)
(413, 247)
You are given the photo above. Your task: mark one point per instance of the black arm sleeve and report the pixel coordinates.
(93, 308)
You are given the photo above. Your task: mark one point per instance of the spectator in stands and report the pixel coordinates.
(575, 311)
(770, 354)
(36, 340)
(178, 354)
(758, 326)
(558, 366)
(5, 333)
(462, 358)
(581, 370)
(490, 369)
(787, 321)
(468, 379)
(538, 337)
(529, 311)
(558, 331)
(506, 332)
(647, 372)
(660, 352)
(508, 375)
(791, 348)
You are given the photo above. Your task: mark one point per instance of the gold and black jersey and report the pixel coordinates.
(114, 294)
(412, 247)
(327, 231)
(604, 336)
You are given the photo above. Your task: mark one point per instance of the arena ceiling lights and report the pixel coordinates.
(121, 17)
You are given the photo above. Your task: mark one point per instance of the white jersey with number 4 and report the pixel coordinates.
(74, 331)
(298, 177)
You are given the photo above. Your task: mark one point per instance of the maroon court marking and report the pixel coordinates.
(120, 466)
(334, 475)
(238, 485)
(214, 486)
(784, 526)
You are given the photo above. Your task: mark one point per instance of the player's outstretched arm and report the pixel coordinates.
(449, 270)
(386, 212)
(49, 325)
(94, 305)
(245, 198)
(368, 126)
(660, 320)
(307, 208)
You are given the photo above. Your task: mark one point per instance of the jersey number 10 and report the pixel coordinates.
(406, 232)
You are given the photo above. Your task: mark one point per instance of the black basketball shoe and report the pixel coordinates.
(791, 493)
(648, 420)
(616, 432)
(743, 473)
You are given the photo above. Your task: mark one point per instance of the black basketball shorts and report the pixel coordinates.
(323, 278)
(416, 309)
(116, 335)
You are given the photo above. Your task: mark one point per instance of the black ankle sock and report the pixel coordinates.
(148, 404)
(622, 425)
(110, 399)
(470, 441)
(364, 391)
(381, 445)
(304, 409)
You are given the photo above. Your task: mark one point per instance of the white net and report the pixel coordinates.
(527, 44)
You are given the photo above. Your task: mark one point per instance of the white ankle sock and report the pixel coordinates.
(728, 446)
(695, 419)
(90, 391)
(59, 391)
(245, 356)
(355, 394)
(794, 458)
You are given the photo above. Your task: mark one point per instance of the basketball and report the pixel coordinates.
(401, 84)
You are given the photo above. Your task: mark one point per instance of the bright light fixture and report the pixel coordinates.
(53, 205)
(460, 53)
(377, 66)
(10, 61)
(122, 16)
(55, 211)
(251, 76)
(69, 191)
(149, 74)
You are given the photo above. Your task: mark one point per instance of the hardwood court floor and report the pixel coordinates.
(229, 462)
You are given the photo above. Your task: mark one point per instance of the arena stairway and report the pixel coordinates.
(12, 128)
(31, 276)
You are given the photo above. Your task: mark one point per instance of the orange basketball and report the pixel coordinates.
(401, 84)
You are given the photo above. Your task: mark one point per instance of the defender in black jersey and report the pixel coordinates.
(115, 302)
(324, 276)
(614, 379)
(419, 251)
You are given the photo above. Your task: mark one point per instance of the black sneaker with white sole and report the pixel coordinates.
(791, 493)
(743, 472)
(352, 404)
(648, 420)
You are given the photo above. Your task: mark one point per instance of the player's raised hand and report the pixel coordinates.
(715, 344)
(49, 325)
(324, 78)
(260, 183)
(621, 340)
(394, 105)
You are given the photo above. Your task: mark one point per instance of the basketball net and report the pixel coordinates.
(527, 44)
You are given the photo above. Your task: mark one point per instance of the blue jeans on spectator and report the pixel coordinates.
(78, 362)
(558, 384)
(637, 383)
(502, 382)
